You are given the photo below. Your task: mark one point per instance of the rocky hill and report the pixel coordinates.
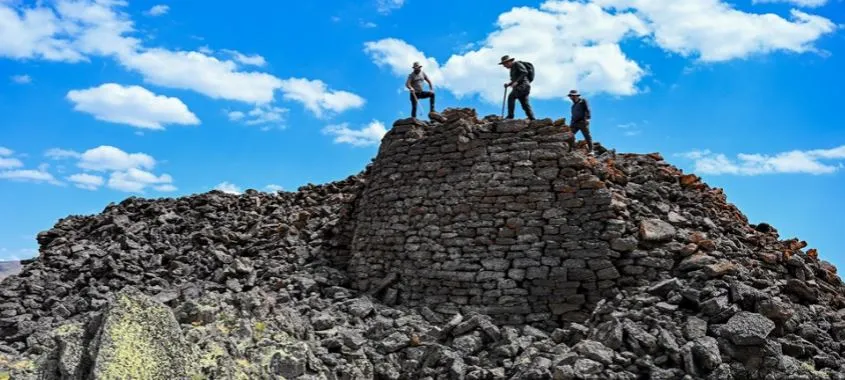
(468, 249)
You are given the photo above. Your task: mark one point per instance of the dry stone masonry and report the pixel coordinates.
(491, 217)
(469, 249)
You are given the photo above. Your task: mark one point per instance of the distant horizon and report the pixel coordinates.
(158, 100)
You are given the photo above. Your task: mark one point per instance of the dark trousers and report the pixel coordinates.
(421, 95)
(584, 127)
(521, 92)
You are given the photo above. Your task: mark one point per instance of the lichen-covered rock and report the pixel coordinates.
(139, 339)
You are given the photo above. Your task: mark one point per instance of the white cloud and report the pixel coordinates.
(204, 74)
(387, 6)
(318, 98)
(228, 188)
(800, 3)
(273, 188)
(59, 154)
(260, 115)
(136, 180)
(29, 175)
(34, 33)
(235, 115)
(158, 10)
(74, 30)
(576, 44)
(109, 158)
(368, 135)
(368, 24)
(21, 79)
(86, 181)
(714, 31)
(130, 172)
(132, 105)
(8, 163)
(807, 162)
(250, 60)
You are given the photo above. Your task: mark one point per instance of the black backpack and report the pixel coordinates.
(530, 68)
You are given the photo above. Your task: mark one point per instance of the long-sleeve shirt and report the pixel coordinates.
(519, 73)
(580, 110)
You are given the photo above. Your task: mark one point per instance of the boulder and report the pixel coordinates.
(747, 329)
(656, 230)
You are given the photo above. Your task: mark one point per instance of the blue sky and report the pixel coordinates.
(102, 99)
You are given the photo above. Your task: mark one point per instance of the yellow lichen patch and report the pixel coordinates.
(132, 356)
(19, 365)
(140, 339)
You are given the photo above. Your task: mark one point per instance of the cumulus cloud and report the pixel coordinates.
(86, 181)
(60, 154)
(264, 116)
(714, 31)
(21, 79)
(189, 70)
(7, 162)
(29, 175)
(318, 98)
(158, 10)
(129, 172)
(273, 188)
(794, 162)
(577, 44)
(136, 180)
(228, 188)
(109, 158)
(369, 135)
(11, 169)
(74, 30)
(132, 105)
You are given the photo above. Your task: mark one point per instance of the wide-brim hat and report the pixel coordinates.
(574, 93)
(416, 65)
(505, 59)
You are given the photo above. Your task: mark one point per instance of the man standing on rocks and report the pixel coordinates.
(580, 120)
(414, 84)
(521, 83)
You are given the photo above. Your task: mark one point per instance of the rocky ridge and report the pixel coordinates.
(259, 285)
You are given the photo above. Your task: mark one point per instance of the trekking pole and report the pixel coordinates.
(504, 97)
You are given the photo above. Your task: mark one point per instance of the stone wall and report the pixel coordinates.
(489, 216)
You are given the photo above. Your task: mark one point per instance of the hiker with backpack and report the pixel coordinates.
(580, 120)
(414, 84)
(522, 74)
